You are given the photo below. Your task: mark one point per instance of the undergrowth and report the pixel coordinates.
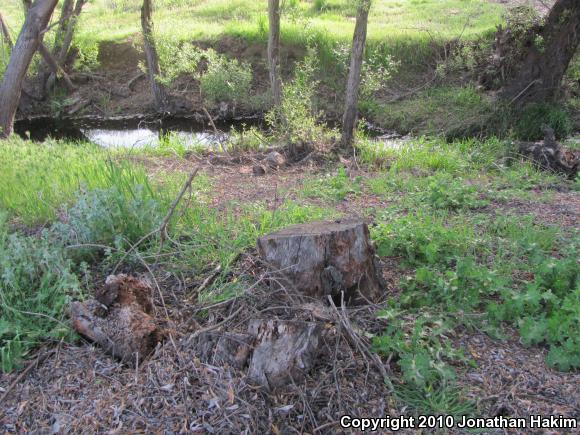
(464, 268)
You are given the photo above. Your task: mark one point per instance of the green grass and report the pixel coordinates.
(37, 179)
(403, 25)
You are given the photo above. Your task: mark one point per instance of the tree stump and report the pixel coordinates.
(119, 319)
(325, 258)
(284, 353)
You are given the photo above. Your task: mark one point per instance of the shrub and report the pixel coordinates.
(36, 285)
(295, 119)
(536, 116)
(175, 59)
(225, 79)
(110, 218)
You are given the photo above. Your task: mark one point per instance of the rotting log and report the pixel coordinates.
(319, 259)
(119, 319)
(285, 351)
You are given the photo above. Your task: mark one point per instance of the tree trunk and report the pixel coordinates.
(5, 33)
(65, 17)
(324, 258)
(64, 48)
(541, 73)
(158, 90)
(26, 45)
(274, 50)
(64, 37)
(55, 67)
(354, 78)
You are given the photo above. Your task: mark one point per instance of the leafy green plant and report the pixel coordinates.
(104, 218)
(295, 119)
(225, 79)
(36, 286)
(535, 116)
(176, 58)
(332, 187)
(447, 192)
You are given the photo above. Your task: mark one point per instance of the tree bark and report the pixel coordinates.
(274, 50)
(541, 73)
(64, 48)
(5, 33)
(55, 67)
(63, 41)
(354, 78)
(157, 89)
(324, 258)
(65, 17)
(26, 45)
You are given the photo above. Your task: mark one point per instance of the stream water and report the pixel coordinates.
(128, 133)
(141, 132)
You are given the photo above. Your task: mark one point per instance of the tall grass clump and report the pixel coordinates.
(36, 180)
(36, 286)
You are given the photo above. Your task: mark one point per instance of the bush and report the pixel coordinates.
(536, 116)
(295, 119)
(36, 286)
(110, 218)
(225, 79)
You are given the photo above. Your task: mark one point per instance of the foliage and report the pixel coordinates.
(37, 179)
(104, 219)
(332, 187)
(535, 116)
(295, 119)
(36, 286)
(225, 79)
(452, 193)
(176, 59)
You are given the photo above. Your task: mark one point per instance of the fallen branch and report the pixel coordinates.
(162, 230)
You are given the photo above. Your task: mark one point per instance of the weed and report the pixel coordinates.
(109, 218)
(332, 187)
(36, 285)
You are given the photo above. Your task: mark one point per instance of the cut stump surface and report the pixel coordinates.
(325, 258)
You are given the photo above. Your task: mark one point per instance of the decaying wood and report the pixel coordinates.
(325, 258)
(26, 45)
(550, 155)
(285, 351)
(119, 319)
(229, 348)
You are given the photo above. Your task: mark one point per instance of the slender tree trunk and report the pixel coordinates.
(274, 50)
(26, 45)
(64, 38)
(64, 48)
(354, 78)
(5, 33)
(158, 90)
(541, 73)
(65, 17)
